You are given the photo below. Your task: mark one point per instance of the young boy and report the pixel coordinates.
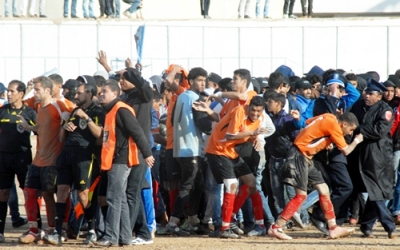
(278, 144)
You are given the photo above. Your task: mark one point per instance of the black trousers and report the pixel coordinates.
(289, 4)
(304, 9)
(137, 182)
(192, 186)
(342, 187)
(338, 179)
(205, 6)
(376, 210)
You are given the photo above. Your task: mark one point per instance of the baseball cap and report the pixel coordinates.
(263, 82)
(86, 79)
(285, 71)
(316, 70)
(302, 84)
(389, 83)
(395, 79)
(214, 77)
(71, 84)
(336, 78)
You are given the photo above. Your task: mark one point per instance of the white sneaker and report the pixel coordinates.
(293, 16)
(140, 241)
(127, 14)
(285, 15)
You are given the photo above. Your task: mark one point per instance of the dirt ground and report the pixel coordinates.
(310, 240)
(302, 240)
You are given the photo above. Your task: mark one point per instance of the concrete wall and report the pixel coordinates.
(29, 48)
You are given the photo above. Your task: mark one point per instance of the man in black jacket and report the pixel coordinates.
(333, 161)
(139, 95)
(375, 173)
(15, 145)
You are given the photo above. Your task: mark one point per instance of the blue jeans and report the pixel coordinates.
(118, 227)
(258, 8)
(117, 8)
(137, 214)
(73, 7)
(7, 7)
(134, 6)
(247, 211)
(277, 187)
(148, 202)
(212, 191)
(261, 166)
(85, 8)
(13, 204)
(291, 193)
(396, 195)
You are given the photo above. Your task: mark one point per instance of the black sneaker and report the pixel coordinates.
(229, 234)
(20, 222)
(199, 229)
(320, 225)
(176, 230)
(216, 233)
(90, 238)
(235, 228)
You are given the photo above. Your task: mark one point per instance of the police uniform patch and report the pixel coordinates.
(20, 128)
(82, 123)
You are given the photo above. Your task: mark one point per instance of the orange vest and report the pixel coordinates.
(109, 139)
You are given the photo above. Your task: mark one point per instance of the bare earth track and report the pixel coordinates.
(310, 240)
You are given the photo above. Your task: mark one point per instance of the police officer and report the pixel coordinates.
(76, 163)
(375, 173)
(15, 145)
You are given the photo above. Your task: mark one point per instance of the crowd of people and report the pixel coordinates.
(108, 9)
(123, 157)
(112, 9)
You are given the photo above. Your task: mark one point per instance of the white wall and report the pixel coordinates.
(29, 48)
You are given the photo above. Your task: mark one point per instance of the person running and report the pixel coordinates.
(299, 170)
(242, 124)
